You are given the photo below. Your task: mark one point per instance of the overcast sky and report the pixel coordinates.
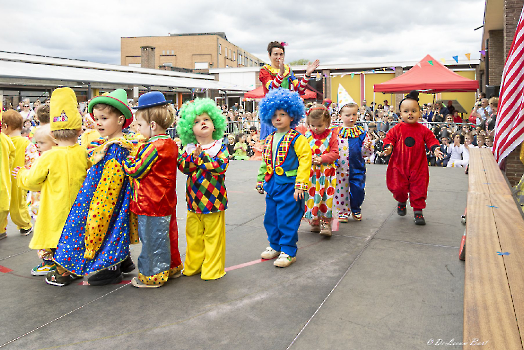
(338, 31)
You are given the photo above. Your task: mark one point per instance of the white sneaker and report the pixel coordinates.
(269, 253)
(284, 260)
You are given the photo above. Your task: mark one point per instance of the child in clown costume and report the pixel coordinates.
(99, 229)
(154, 170)
(324, 148)
(205, 160)
(284, 174)
(7, 157)
(25, 155)
(58, 175)
(408, 171)
(354, 144)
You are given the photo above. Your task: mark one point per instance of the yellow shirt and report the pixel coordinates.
(7, 157)
(88, 136)
(58, 174)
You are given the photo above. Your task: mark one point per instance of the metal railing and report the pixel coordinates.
(237, 127)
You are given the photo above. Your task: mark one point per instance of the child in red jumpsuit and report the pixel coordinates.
(408, 171)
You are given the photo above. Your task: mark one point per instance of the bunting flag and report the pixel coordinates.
(483, 52)
(468, 56)
(393, 68)
(443, 60)
(343, 97)
(418, 64)
(352, 75)
(456, 58)
(509, 128)
(430, 62)
(318, 77)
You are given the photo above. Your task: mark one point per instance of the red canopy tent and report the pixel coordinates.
(259, 93)
(428, 76)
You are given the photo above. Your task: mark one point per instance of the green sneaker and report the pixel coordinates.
(56, 279)
(43, 269)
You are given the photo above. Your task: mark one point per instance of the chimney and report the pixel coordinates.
(147, 57)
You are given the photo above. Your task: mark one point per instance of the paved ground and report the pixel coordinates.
(382, 283)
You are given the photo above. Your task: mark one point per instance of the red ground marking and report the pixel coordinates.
(239, 266)
(4, 269)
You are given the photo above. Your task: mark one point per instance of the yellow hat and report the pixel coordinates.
(63, 112)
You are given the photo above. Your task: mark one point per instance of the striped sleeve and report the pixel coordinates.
(139, 166)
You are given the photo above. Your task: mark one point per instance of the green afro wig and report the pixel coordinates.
(190, 110)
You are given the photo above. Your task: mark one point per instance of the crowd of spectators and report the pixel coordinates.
(455, 132)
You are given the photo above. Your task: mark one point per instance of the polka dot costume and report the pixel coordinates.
(96, 233)
(319, 197)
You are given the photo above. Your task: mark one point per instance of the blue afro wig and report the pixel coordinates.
(190, 110)
(284, 99)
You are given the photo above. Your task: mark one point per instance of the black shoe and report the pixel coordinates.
(105, 277)
(419, 219)
(127, 265)
(401, 209)
(26, 232)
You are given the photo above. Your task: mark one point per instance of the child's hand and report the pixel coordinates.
(197, 151)
(388, 150)
(260, 188)
(368, 145)
(15, 171)
(299, 194)
(438, 153)
(317, 160)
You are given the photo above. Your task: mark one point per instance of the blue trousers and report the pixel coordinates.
(283, 215)
(357, 182)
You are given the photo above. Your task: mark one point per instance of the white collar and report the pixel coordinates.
(210, 149)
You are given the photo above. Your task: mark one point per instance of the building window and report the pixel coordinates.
(201, 65)
(172, 52)
(219, 49)
(230, 53)
(234, 56)
(226, 52)
(163, 52)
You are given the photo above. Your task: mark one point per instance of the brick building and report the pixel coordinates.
(500, 21)
(192, 51)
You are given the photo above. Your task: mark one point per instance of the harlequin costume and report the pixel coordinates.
(408, 171)
(25, 155)
(281, 173)
(319, 196)
(206, 193)
(206, 198)
(7, 157)
(99, 228)
(351, 170)
(58, 175)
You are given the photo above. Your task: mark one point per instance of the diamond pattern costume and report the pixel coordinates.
(206, 198)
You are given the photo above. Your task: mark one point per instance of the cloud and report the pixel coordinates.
(334, 31)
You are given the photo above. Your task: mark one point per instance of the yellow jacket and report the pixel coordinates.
(7, 158)
(58, 174)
